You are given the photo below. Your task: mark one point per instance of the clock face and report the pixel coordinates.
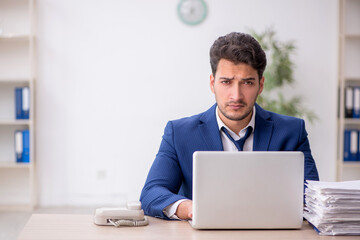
(192, 12)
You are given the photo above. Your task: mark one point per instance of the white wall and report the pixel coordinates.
(112, 73)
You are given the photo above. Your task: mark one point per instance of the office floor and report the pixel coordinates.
(11, 223)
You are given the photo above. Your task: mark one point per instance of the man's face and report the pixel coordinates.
(236, 87)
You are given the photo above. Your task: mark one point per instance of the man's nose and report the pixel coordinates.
(236, 92)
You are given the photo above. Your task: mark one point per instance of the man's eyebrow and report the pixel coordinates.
(243, 79)
(248, 79)
(227, 78)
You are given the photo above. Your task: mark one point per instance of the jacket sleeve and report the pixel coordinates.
(310, 171)
(164, 178)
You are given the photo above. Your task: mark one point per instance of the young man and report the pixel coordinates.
(234, 123)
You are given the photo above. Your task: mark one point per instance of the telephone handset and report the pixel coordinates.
(129, 215)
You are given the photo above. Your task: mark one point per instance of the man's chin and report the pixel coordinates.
(236, 117)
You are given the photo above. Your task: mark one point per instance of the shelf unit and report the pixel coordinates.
(349, 76)
(17, 64)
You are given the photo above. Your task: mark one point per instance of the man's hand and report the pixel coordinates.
(185, 210)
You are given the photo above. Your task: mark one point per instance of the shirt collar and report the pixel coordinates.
(221, 123)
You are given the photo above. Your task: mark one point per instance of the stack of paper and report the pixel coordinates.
(333, 207)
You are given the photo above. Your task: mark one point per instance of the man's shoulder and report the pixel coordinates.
(277, 118)
(284, 118)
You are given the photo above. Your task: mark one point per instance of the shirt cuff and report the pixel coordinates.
(170, 210)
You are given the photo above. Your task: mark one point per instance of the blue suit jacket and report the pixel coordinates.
(170, 177)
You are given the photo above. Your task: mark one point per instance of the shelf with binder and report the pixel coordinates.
(352, 104)
(351, 145)
(7, 142)
(348, 156)
(16, 178)
(17, 129)
(8, 103)
(15, 124)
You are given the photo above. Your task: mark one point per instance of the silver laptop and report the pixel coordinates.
(248, 190)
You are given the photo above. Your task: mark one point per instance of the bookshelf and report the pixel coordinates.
(17, 64)
(349, 77)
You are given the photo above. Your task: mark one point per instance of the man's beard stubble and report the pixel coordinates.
(242, 117)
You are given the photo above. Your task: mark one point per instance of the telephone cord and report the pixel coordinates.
(129, 223)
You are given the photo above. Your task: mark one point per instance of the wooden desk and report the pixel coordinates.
(65, 226)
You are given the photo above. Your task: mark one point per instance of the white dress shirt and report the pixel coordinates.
(228, 145)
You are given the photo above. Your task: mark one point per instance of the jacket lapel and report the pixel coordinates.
(210, 130)
(263, 129)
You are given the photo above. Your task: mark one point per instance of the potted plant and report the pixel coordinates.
(278, 75)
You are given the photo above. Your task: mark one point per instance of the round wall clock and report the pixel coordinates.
(192, 12)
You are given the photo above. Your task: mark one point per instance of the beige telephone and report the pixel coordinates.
(129, 215)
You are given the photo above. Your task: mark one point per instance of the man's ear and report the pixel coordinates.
(212, 81)
(261, 85)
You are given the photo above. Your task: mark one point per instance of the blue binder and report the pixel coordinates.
(18, 103)
(19, 145)
(351, 138)
(26, 146)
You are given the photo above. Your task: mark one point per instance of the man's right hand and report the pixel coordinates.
(184, 211)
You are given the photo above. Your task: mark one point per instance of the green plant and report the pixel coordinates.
(279, 76)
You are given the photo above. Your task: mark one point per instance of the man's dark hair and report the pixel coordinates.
(238, 48)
